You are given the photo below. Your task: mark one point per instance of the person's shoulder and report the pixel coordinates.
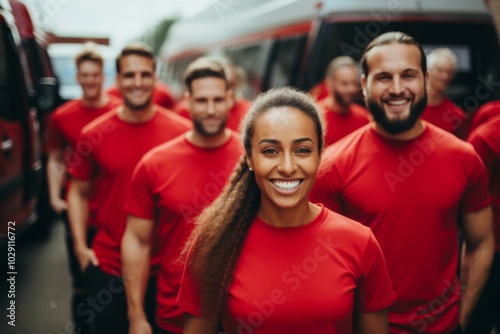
(114, 101)
(172, 117)
(488, 131)
(493, 106)
(67, 108)
(447, 143)
(103, 123)
(345, 227)
(235, 136)
(346, 145)
(167, 151)
(243, 103)
(450, 105)
(324, 104)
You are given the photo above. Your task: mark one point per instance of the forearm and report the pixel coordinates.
(136, 265)
(55, 175)
(78, 208)
(476, 263)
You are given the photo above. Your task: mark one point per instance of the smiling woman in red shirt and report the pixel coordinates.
(263, 258)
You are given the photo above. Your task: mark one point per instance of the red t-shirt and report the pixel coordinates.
(340, 125)
(446, 116)
(319, 91)
(306, 279)
(485, 113)
(409, 193)
(236, 115)
(110, 150)
(65, 126)
(162, 95)
(171, 185)
(486, 141)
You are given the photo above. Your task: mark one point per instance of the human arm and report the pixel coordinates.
(478, 256)
(371, 323)
(135, 252)
(55, 176)
(78, 211)
(196, 325)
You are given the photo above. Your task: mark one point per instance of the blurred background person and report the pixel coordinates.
(170, 187)
(66, 124)
(440, 110)
(342, 114)
(240, 105)
(162, 95)
(486, 141)
(113, 145)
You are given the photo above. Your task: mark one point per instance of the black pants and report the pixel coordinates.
(79, 293)
(486, 315)
(106, 306)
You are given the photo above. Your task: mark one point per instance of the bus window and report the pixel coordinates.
(285, 62)
(253, 59)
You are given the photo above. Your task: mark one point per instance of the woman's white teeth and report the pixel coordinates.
(286, 185)
(396, 102)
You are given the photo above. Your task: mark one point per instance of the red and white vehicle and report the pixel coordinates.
(290, 42)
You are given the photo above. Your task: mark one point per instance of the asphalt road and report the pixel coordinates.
(42, 285)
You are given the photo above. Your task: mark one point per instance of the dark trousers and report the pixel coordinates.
(106, 307)
(486, 315)
(79, 293)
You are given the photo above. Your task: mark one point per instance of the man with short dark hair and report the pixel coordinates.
(109, 148)
(408, 181)
(170, 187)
(239, 105)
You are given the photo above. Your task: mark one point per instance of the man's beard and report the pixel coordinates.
(338, 98)
(133, 106)
(198, 125)
(396, 126)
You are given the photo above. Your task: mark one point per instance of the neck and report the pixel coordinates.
(202, 141)
(136, 115)
(435, 98)
(95, 103)
(413, 133)
(300, 215)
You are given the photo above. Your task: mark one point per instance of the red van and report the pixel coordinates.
(21, 167)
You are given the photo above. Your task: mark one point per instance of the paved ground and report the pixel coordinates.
(42, 286)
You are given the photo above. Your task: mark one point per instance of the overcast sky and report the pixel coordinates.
(121, 20)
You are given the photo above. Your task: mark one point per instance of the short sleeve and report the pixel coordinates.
(374, 291)
(140, 196)
(476, 195)
(485, 153)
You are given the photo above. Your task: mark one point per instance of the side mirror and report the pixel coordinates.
(46, 95)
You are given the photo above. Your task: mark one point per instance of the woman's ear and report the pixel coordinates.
(249, 163)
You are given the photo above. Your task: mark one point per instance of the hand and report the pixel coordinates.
(59, 205)
(139, 326)
(85, 257)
